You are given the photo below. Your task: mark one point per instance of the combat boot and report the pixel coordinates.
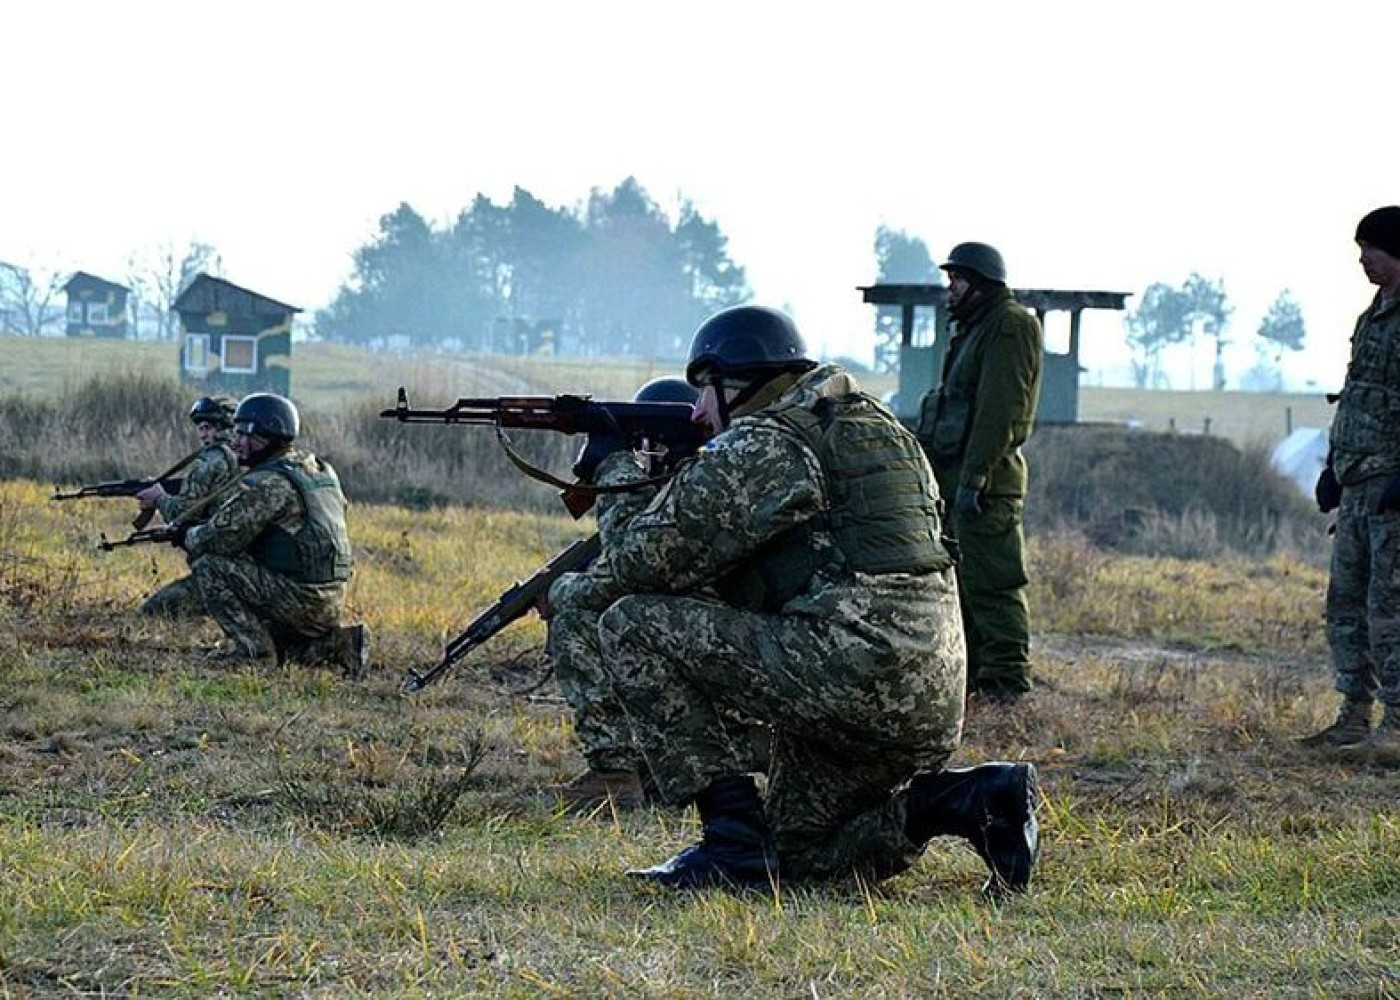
(735, 848)
(352, 650)
(1382, 743)
(594, 788)
(1352, 725)
(992, 806)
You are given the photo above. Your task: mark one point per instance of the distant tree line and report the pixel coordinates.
(1169, 315)
(616, 276)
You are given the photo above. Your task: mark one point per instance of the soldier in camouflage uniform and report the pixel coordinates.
(793, 573)
(575, 603)
(1362, 483)
(273, 560)
(211, 470)
(972, 427)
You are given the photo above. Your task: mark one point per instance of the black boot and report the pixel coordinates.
(992, 806)
(735, 846)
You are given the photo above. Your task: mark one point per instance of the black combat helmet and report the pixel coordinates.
(979, 258)
(746, 343)
(269, 416)
(216, 410)
(667, 390)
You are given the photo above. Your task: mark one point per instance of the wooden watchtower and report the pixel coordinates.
(921, 363)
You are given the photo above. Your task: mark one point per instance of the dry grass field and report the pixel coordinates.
(172, 830)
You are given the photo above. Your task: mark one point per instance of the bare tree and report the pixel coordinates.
(157, 278)
(27, 299)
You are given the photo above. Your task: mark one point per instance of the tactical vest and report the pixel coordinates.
(319, 552)
(882, 511)
(1365, 434)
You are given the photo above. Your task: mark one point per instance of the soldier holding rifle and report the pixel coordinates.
(273, 560)
(211, 468)
(793, 573)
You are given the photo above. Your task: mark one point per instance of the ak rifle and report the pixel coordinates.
(628, 423)
(511, 606)
(130, 487)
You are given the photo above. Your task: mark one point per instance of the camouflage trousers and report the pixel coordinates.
(850, 722)
(265, 613)
(601, 725)
(1363, 596)
(599, 721)
(177, 599)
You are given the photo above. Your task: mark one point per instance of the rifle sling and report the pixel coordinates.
(585, 489)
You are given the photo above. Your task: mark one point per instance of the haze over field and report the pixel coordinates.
(1102, 146)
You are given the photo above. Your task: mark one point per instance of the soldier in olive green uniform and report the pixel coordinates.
(209, 471)
(1362, 483)
(273, 560)
(792, 573)
(972, 427)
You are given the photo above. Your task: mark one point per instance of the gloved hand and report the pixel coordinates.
(1328, 492)
(177, 535)
(596, 447)
(1390, 496)
(967, 504)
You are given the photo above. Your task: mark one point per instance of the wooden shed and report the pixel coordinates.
(96, 307)
(235, 341)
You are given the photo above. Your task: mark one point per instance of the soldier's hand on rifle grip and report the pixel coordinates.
(177, 535)
(1328, 492)
(149, 496)
(596, 447)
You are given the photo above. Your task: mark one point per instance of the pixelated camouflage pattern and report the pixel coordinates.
(245, 598)
(860, 676)
(1365, 435)
(576, 600)
(211, 469)
(256, 607)
(1363, 596)
(177, 599)
(208, 472)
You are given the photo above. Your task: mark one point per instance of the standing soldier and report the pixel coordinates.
(273, 560)
(209, 471)
(792, 574)
(972, 427)
(1362, 483)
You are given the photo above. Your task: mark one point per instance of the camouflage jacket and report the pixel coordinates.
(260, 502)
(1365, 434)
(745, 488)
(215, 466)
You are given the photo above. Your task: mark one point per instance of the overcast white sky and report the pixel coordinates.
(1100, 145)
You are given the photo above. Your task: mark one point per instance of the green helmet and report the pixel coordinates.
(267, 415)
(746, 342)
(216, 410)
(979, 258)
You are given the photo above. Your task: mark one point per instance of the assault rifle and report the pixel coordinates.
(174, 533)
(144, 536)
(119, 488)
(511, 606)
(628, 423)
(131, 487)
